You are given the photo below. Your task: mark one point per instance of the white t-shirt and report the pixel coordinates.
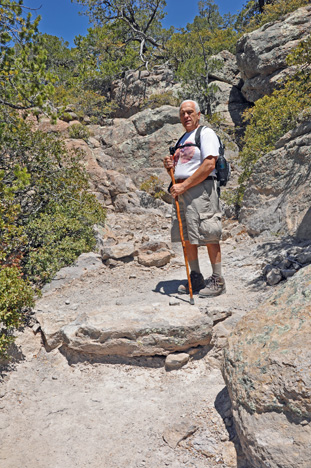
(187, 160)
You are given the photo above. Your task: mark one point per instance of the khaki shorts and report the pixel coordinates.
(200, 214)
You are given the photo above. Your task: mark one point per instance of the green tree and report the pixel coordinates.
(141, 19)
(191, 49)
(46, 210)
(24, 83)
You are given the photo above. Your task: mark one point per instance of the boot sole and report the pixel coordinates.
(213, 295)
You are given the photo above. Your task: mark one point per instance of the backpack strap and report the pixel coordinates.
(198, 136)
(197, 139)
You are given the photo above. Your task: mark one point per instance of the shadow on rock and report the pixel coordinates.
(224, 408)
(154, 362)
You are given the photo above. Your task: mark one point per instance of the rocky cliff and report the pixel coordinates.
(261, 54)
(278, 197)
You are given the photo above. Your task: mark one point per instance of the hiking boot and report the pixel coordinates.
(215, 285)
(197, 283)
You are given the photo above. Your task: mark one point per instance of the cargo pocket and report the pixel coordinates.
(209, 227)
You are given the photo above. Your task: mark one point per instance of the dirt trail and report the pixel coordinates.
(121, 413)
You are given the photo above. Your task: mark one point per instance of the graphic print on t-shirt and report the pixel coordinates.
(184, 155)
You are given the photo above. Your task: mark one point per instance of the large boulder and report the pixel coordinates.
(278, 197)
(140, 143)
(261, 54)
(268, 374)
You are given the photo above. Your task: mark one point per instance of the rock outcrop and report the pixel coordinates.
(131, 91)
(261, 54)
(267, 371)
(228, 100)
(278, 197)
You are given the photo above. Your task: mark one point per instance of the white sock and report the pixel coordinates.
(217, 270)
(194, 265)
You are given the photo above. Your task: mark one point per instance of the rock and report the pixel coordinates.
(174, 302)
(217, 314)
(118, 251)
(278, 196)
(274, 276)
(125, 331)
(288, 273)
(151, 120)
(46, 126)
(132, 91)
(84, 263)
(157, 259)
(267, 370)
(177, 433)
(227, 69)
(176, 361)
(304, 257)
(228, 102)
(261, 54)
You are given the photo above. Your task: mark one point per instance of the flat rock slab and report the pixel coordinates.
(126, 331)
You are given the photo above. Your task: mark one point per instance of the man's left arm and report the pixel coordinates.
(206, 168)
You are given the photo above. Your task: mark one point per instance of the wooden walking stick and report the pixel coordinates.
(182, 240)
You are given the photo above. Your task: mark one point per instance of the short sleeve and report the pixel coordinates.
(209, 143)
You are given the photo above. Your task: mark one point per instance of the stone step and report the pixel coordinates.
(145, 330)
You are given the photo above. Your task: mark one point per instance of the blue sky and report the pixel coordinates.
(61, 18)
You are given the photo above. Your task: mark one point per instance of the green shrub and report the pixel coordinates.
(79, 132)
(275, 11)
(161, 99)
(16, 296)
(153, 186)
(47, 216)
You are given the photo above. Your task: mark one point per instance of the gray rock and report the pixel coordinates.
(125, 331)
(132, 91)
(228, 102)
(268, 373)
(174, 435)
(288, 273)
(278, 196)
(304, 257)
(176, 361)
(227, 69)
(261, 54)
(274, 276)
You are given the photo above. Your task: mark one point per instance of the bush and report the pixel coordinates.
(274, 11)
(16, 296)
(153, 186)
(79, 132)
(47, 216)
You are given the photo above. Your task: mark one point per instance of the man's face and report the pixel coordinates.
(189, 117)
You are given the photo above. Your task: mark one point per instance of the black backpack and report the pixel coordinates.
(223, 168)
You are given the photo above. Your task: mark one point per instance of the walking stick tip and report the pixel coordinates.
(191, 301)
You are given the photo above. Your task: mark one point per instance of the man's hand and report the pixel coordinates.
(168, 163)
(177, 189)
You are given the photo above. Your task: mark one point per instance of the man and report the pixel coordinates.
(196, 189)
